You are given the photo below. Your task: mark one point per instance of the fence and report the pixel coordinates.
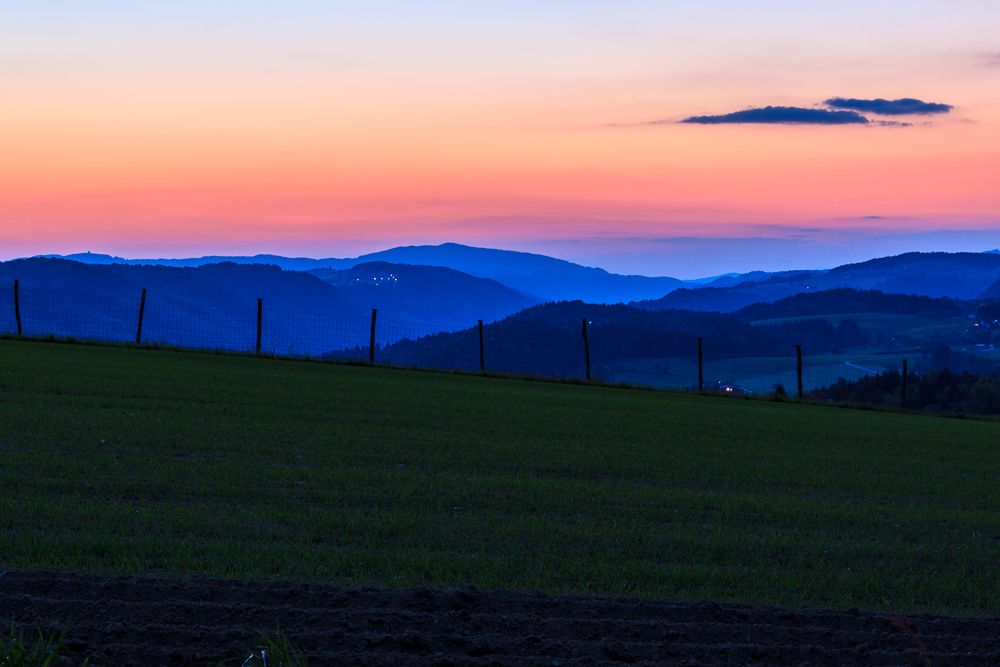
(533, 347)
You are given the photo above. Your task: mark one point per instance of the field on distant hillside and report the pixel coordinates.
(889, 324)
(180, 463)
(758, 374)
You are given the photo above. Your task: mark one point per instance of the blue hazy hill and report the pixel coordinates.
(954, 275)
(225, 284)
(537, 276)
(214, 305)
(426, 294)
(545, 278)
(211, 306)
(960, 275)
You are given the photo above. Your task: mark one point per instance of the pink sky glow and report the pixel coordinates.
(243, 129)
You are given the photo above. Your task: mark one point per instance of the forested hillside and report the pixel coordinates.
(225, 284)
(547, 339)
(425, 294)
(953, 275)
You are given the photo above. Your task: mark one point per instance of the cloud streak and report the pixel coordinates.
(783, 116)
(902, 107)
(892, 123)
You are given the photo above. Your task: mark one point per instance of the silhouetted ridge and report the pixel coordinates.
(709, 299)
(991, 292)
(982, 260)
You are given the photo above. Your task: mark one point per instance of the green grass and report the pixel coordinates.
(179, 463)
(276, 652)
(43, 652)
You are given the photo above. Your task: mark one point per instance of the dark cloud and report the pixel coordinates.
(903, 107)
(783, 115)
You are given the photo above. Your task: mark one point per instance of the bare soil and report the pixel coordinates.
(146, 621)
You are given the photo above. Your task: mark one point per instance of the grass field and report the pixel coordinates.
(181, 463)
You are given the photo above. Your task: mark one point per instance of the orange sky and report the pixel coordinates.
(245, 128)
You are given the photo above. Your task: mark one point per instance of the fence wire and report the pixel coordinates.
(80, 316)
(206, 327)
(517, 346)
(7, 321)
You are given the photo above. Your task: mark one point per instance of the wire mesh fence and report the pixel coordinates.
(7, 321)
(94, 317)
(192, 325)
(516, 346)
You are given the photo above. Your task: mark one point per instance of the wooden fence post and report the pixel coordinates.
(371, 341)
(142, 307)
(701, 380)
(17, 309)
(586, 346)
(260, 320)
(904, 385)
(482, 358)
(798, 366)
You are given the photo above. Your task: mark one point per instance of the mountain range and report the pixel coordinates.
(451, 284)
(964, 275)
(424, 294)
(538, 277)
(325, 311)
(541, 278)
(224, 284)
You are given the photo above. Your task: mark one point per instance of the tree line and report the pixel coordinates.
(940, 391)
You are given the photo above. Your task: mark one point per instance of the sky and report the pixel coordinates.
(331, 129)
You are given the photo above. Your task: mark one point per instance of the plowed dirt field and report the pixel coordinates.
(147, 621)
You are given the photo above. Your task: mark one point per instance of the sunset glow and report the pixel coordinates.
(304, 129)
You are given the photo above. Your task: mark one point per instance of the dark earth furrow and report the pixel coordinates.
(145, 621)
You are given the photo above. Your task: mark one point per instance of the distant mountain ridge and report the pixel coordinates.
(537, 276)
(986, 260)
(286, 263)
(759, 277)
(419, 294)
(542, 278)
(954, 275)
(225, 284)
(992, 292)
